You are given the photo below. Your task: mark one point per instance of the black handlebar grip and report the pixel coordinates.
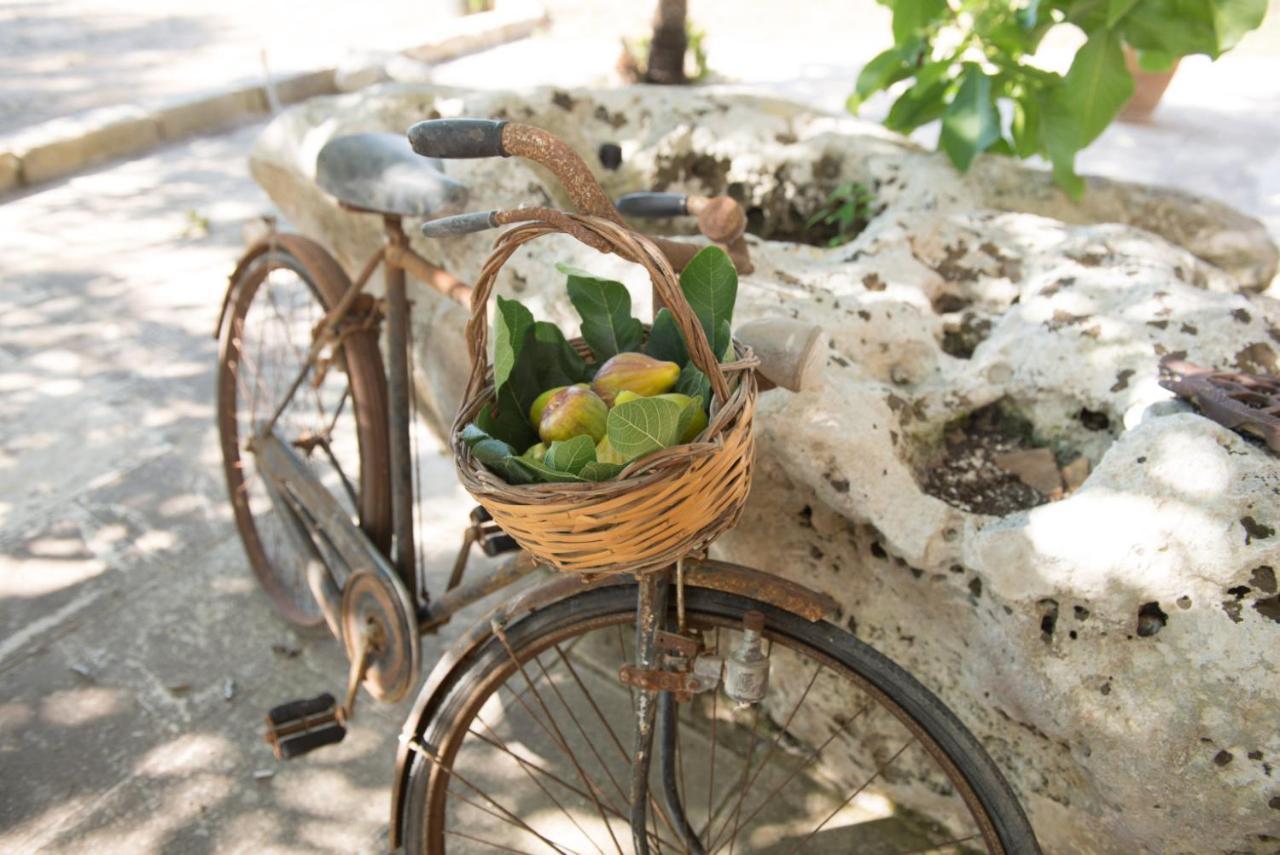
(653, 205)
(460, 224)
(458, 138)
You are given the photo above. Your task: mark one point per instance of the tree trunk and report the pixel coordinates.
(666, 52)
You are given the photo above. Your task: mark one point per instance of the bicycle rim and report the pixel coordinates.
(848, 752)
(337, 426)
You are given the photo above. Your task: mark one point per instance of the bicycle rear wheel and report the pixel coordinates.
(528, 748)
(338, 426)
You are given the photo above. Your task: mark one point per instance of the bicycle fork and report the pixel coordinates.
(670, 668)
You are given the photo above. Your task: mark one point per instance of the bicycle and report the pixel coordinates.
(703, 658)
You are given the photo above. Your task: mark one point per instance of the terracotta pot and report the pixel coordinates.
(1148, 88)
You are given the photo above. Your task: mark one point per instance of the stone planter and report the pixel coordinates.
(1112, 648)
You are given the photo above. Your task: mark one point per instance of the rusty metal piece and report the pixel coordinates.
(677, 645)
(757, 585)
(379, 623)
(437, 614)
(723, 222)
(556, 218)
(548, 150)
(682, 684)
(1235, 399)
(401, 255)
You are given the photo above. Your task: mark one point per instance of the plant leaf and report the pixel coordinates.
(555, 362)
(1117, 9)
(970, 123)
(885, 69)
(917, 106)
(1095, 87)
(510, 323)
(687, 414)
(710, 285)
(722, 343)
(499, 457)
(536, 470)
(1025, 127)
(1155, 61)
(666, 342)
(507, 420)
(600, 471)
(910, 17)
(571, 455)
(644, 425)
(1232, 19)
(693, 382)
(605, 307)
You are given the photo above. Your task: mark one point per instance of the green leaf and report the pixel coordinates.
(694, 383)
(555, 362)
(605, 307)
(571, 455)
(885, 69)
(1025, 127)
(1117, 9)
(1178, 27)
(510, 323)
(498, 456)
(970, 124)
(710, 285)
(536, 470)
(666, 342)
(1155, 61)
(688, 413)
(643, 426)
(918, 106)
(600, 471)
(508, 421)
(911, 17)
(1092, 92)
(722, 342)
(1232, 19)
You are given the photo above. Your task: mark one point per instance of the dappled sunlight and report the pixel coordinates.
(187, 754)
(78, 707)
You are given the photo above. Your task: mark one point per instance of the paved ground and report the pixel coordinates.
(125, 605)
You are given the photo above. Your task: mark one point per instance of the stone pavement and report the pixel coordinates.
(126, 609)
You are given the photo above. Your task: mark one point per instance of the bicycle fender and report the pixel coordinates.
(716, 575)
(310, 253)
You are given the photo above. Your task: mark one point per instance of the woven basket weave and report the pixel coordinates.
(662, 507)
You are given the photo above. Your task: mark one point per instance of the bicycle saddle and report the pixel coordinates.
(381, 173)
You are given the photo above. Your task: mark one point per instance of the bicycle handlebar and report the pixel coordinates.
(458, 138)
(653, 205)
(460, 224)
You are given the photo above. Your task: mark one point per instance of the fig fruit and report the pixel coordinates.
(540, 402)
(573, 411)
(634, 372)
(536, 452)
(624, 396)
(693, 415)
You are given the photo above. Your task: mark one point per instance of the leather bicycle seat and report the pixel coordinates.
(380, 172)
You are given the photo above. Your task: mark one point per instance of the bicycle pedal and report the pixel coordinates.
(298, 727)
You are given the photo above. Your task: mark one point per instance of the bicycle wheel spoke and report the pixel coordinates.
(499, 846)
(501, 745)
(853, 795)
(559, 739)
(711, 783)
(505, 814)
(936, 847)
(736, 814)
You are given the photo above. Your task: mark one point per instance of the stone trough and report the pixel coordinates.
(991, 481)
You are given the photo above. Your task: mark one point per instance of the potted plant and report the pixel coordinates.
(962, 59)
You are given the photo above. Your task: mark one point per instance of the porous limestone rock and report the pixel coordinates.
(1114, 650)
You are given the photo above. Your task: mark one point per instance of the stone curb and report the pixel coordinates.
(65, 145)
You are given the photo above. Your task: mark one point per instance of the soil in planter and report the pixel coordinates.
(965, 473)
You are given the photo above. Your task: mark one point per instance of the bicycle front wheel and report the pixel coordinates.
(529, 748)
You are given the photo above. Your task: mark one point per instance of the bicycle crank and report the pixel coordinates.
(379, 631)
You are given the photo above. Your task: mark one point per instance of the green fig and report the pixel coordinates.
(536, 452)
(606, 453)
(624, 396)
(540, 402)
(634, 372)
(694, 414)
(570, 412)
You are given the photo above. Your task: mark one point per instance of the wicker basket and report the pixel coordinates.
(663, 507)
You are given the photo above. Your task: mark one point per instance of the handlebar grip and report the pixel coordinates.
(653, 205)
(460, 224)
(460, 138)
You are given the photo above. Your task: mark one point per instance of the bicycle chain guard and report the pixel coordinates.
(1235, 399)
(375, 606)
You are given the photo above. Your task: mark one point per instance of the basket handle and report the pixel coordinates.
(621, 241)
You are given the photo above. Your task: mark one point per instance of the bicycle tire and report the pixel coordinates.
(460, 697)
(361, 361)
